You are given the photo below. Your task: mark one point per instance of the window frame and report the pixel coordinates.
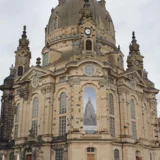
(62, 126)
(11, 156)
(20, 71)
(132, 109)
(63, 103)
(112, 126)
(35, 107)
(134, 130)
(89, 45)
(35, 127)
(17, 114)
(89, 70)
(59, 154)
(16, 128)
(111, 104)
(116, 154)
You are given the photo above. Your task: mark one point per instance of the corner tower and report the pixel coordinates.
(135, 59)
(7, 109)
(23, 55)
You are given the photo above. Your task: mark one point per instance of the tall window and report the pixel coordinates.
(17, 114)
(134, 132)
(111, 104)
(16, 131)
(62, 125)
(132, 105)
(116, 154)
(88, 45)
(35, 107)
(46, 58)
(112, 126)
(59, 154)
(20, 71)
(16, 122)
(133, 118)
(63, 103)
(35, 127)
(150, 156)
(11, 156)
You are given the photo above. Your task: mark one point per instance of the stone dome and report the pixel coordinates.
(66, 32)
(68, 13)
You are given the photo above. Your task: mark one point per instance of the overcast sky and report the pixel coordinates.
(141, 16)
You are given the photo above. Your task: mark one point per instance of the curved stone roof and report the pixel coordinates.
(69, 14)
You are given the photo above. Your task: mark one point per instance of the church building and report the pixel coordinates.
(79, 102)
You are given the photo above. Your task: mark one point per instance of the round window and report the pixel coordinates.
(89, 70)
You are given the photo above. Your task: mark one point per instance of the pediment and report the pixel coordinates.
(34, 71)
(136, 77)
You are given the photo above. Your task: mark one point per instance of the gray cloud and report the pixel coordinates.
(141, 16)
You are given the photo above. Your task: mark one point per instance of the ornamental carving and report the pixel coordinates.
(74, 81)
(104, 82)
(62, 33)
(48, 89)
(135, 61)
(24, 91)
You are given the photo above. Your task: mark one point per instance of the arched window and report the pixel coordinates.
(17, 114)
(88, 45)
(116, 154)
(11, 156)
(111, 103)
(91, 153)
(35, 107)
(20, 71)
(46, 58)
(120, 61)
(63, 103)
(132, 107)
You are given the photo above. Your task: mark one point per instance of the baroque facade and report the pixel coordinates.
(80, 103)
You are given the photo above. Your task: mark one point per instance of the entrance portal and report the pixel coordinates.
(29, 157)
(90, 156)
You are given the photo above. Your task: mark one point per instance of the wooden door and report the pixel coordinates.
(91, 157)
(138, 158)
(28, 157)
